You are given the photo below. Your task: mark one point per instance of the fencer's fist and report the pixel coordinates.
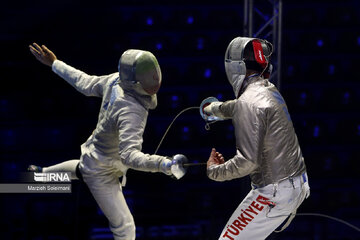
(174, 166)
(206, 109)
(210, 109)
(215, 158)
(43, 54)
(177, 167)
(165, 166)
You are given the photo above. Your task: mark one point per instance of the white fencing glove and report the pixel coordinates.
(177, 167)
(165, 166)
(174, 166)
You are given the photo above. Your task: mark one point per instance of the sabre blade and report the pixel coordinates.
(193, 164)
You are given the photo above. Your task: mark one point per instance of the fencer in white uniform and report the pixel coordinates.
(267, 148)
(115, 145)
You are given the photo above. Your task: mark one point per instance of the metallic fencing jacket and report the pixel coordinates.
(117, 139)
(267, 146)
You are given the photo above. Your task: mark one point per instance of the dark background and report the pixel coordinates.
(44, 120)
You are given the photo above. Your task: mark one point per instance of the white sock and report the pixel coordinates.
(67, 166)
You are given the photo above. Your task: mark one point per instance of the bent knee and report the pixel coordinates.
(125, 231)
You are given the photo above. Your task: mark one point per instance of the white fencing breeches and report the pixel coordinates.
(264, 209)
(104, 185)
(67, 166)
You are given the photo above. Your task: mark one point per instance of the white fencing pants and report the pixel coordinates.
(264, 209)
(104, 185)
(67, 166)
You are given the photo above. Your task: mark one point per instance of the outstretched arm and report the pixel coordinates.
(88, 85)
(222, 110)
(43, 54)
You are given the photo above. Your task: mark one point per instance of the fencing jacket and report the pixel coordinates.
(267, 146)
(122, 118)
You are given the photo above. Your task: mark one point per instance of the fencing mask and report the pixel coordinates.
(246, 53)
(141, 70)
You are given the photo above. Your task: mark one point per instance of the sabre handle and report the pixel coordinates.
(209, 117)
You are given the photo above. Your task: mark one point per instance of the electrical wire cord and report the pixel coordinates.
(330, 217)
(167, 130)
(207, 125)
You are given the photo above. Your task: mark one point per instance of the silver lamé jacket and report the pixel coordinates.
(116, 143)
(267, 147)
